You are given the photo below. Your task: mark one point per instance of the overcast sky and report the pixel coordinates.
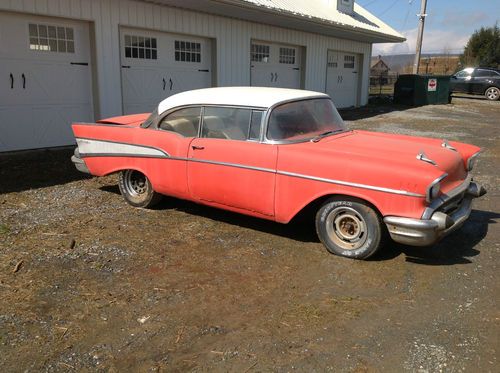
(448, 25)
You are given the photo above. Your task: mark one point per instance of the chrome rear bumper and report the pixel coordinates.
(425, 232)
(79, 163)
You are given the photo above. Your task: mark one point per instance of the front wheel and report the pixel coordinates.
(349, 228)
(137, 190)
(492, 94)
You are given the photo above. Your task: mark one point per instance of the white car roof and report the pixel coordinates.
(236, 96)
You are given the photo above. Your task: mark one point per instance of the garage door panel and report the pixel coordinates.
(275, 65)
(184, 79)
(174, 63)
(52, 80)
(142, 88)
(342, 78)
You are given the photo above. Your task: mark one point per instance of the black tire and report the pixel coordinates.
(137, 190)
(492, 94)
(349, 228)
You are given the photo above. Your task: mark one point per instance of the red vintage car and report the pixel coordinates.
(271, 153)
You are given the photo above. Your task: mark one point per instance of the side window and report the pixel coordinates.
(226, 123)
(463, 74)
(185, 122)
(255, 124)
(485, 73)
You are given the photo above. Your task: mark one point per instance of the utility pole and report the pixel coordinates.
(420, 35)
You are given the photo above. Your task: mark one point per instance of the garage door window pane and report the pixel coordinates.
(226, 123)
(51, 38)
(52, 32)
(33, 30)
(287, 56)
(185, 122)
(61, 46)
(70, 46)
(260, 53)
(53, 45)
(140, 47)
(42, 31)
(61, 33)
(349, 62)
(186, 51)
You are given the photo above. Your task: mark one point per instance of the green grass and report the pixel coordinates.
(4, 229)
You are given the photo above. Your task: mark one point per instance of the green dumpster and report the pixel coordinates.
(418, 90)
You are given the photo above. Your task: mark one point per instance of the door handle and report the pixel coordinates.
(171, 83)
(164, 83)
(11, 81)
(24, 81)
(197, 147)
(79, 63)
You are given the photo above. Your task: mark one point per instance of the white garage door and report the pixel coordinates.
(342, 78)
(274, 65)
(156, 65)
(45, 81)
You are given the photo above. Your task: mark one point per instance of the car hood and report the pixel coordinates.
(400, 149)
(385, 160)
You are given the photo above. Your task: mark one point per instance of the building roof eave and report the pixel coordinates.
(284, 18)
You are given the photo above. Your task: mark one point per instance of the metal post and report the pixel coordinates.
(420, 36)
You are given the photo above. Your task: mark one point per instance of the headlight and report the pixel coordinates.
(471, 162)
(434, 188)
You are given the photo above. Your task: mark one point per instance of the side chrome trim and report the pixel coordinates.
(104, 148)
(355, 185)
(227, 164)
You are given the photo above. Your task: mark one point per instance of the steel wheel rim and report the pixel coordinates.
(135, 183)
(493, 93)
(346, 228)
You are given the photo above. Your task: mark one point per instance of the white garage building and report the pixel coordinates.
(78, 60)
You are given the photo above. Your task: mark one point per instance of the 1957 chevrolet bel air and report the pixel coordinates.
(271, 153)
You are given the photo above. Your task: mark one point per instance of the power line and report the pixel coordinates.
(385, 11)
(370, 3)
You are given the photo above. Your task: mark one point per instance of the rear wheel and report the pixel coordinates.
(492, 93)
(137, 190)
(349, 228)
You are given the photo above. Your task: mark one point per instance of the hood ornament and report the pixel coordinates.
(422, 157)
(446, 145)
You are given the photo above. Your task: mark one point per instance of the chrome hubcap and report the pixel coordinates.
(346, 228)
(135, 183)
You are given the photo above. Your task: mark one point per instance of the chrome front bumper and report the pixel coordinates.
(425, 232)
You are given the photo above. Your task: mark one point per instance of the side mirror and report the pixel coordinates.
(453, 77)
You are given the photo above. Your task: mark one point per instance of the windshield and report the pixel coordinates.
(304, 120)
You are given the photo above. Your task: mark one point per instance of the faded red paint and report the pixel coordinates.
(259, 188)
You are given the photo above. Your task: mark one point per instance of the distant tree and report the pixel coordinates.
(483, 48)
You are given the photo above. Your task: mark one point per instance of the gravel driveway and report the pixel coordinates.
(88, 283)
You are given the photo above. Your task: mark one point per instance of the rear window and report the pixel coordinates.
(304, 120)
